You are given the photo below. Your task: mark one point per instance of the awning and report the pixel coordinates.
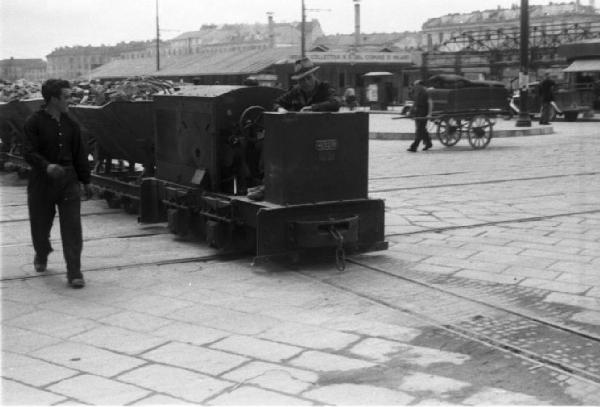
(584, 65)
(378, 74)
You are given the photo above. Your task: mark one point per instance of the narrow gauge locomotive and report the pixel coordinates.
(196, 145)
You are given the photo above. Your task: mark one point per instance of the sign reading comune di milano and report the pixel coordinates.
(364, 57)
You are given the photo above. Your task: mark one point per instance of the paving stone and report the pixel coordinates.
(271, 376)
(196, 358)
(52, 323)
(587, 317)
(580, 278)
(309, 336)
(546, 247)
(557, 255)
(80, 308)
(590, 303)
(136, 321)
(176, 382)
(31, 371)
(491, 277)
(119, 339)
(358, 394)
(98, 390)
(14, 393)
(559, 286)
(361, 326)
(433, 268)
(87, 358)
(188, 333)
(242, 323)
(12, 309)
(525, 272)
(257, 348)
(247, 395)
(153, 304)
(160, 400)
(594, 292)
(572, 267)
(425, 382)
(328, 362)
(382, 350)
(494, 396)
(23, 341)
(465, 264)
(512, 260)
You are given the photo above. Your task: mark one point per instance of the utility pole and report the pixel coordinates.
(157, 40)
(303, 32)
(524, 119)
(303, 27)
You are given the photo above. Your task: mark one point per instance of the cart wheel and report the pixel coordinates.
(480, 131)
(448, 131)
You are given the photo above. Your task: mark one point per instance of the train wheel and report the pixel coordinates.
(448, 131)
(480, 131)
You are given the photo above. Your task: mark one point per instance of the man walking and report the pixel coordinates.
(546, 96)
(420, 110)
(58, 157)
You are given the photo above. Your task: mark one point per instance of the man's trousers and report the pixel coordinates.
(44, 195)
(421, 134)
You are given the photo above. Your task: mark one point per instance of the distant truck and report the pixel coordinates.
(570, 100)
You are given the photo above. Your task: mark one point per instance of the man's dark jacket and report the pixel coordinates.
(48, 142)
(323, 99)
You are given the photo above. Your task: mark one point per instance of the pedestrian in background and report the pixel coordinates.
(58, 156)
(547, 97)
(420, 110)
(350, 98)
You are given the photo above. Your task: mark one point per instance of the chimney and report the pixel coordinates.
(593, 4)
(577, 5)
(356, 23)
(271, 30)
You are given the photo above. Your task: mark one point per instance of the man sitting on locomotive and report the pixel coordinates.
(308, 95)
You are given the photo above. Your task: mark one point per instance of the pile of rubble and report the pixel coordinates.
(131, 89)
(19, 90)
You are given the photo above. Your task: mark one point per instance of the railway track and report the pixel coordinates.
(544, 343)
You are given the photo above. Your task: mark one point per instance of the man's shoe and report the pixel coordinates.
(77, 282)
(256, 193)
(40, 264)
(412, 150)
(427, 147)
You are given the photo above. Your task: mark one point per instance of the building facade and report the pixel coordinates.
(212, 38)
(486, 44)
(29, 69)
(77, 62)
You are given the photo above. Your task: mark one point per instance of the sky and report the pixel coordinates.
(34, 28)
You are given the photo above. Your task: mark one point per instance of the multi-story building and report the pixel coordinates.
(211, 38)
(485, 44)
(30, 69)
(77, 62)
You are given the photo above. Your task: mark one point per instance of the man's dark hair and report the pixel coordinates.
(54, 87)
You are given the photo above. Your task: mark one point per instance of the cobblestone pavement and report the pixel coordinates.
(489, 294)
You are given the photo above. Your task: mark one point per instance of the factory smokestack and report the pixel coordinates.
(271, 31)
(357, 23)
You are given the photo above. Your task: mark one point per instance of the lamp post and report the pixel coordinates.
(524, 119)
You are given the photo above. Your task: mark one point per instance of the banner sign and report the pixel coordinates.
(362, 57)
